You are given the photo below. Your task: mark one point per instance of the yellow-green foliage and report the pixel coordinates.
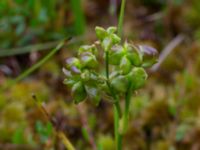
(13, 116)
(22, 92)
(14, 104)
(106, 142)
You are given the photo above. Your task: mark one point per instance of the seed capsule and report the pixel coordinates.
(87, 48)
(106, 43)
(134, 55)
(116, 54)
(111, 30)
(149, 55)
(100, 33)
(125, 65)
(120, 83)
(78, 92)
(88, 60)
(138, 77)
(74, 65)
(93, 94)
(115, 39)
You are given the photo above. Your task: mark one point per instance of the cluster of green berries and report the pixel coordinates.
(126, 62)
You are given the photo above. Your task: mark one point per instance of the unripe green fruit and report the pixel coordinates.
(115, 39)
(149, 55)
(116, 54)
(111, 30)
(125, 65)
(93, 94)
(87, 48)
(119, 83)
(73, 62)
(74, 65)
(100, 33)
(106, 43)
(133, 54)
(88, 60)
(138, 77)
(78, 92)
(85, 76)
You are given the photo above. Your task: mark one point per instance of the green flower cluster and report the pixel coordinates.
(127, 61)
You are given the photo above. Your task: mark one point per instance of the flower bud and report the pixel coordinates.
(116, 54)
(138, 77)
(125, 65)
(149, 55)
(78, 92)
(88, 60)
(119, 83)
(100, 33)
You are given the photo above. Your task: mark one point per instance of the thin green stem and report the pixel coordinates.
(126, 110)
(117, 109)
(108, 84)
(67, 143)
(35, 66)
(107, 65)
(121, 18)
(118, 136)
(117, 105)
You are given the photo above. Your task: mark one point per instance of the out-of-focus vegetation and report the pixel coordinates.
(165, 114)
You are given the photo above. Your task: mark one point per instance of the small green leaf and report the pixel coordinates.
(182, 131)
(43, 130)
(18, 137)
(71, 79)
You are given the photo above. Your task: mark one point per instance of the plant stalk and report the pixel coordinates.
(116, 109)
(121, 18)
(118, 136)
(126, 110)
